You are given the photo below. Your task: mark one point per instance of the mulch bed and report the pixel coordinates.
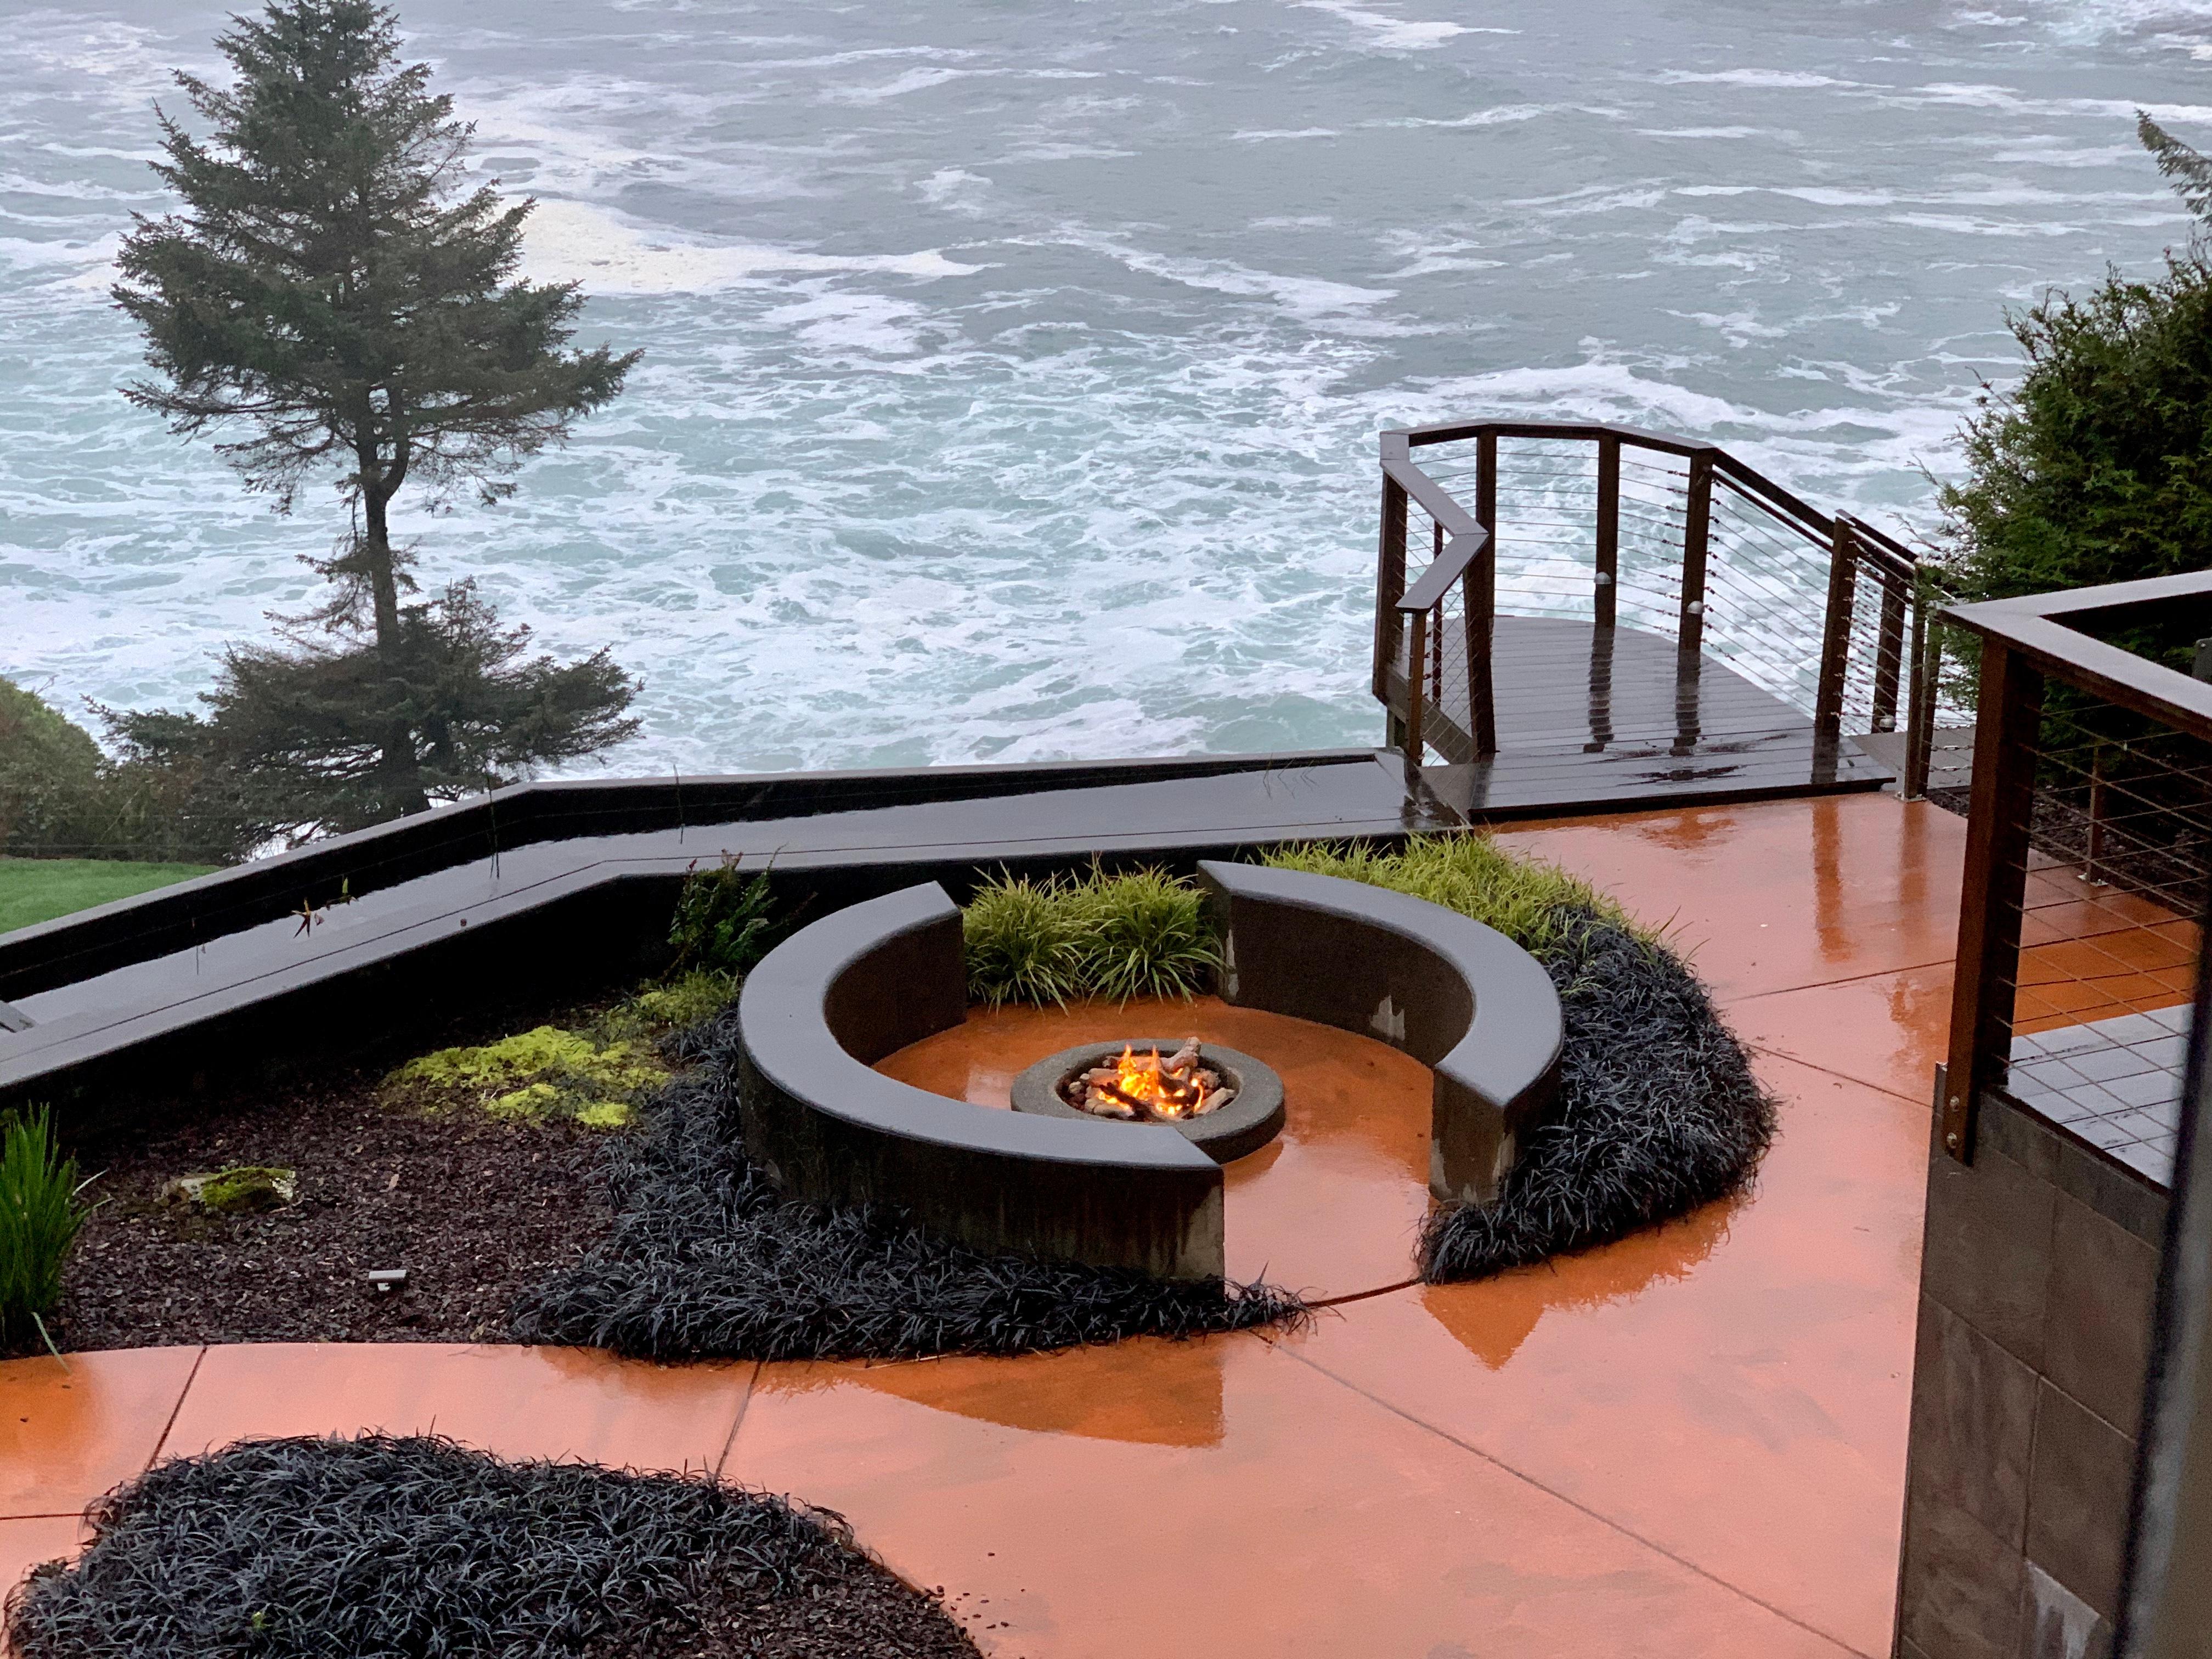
(474, 1208)
(328, 1548)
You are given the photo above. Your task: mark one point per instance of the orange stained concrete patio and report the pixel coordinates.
(1690, 1443)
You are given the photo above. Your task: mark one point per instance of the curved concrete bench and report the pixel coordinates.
(841, 993)
(1460, 997)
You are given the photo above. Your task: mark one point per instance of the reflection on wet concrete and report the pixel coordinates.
(1492, 1325)
(1149, 1391)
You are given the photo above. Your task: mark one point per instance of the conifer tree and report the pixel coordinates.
(339, 302)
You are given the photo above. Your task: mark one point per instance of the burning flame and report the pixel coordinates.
(1164, 1093)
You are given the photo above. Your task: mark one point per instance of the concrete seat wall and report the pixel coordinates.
(1460, 997)
(869, 980)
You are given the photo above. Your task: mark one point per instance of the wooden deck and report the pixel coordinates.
(1599, 719)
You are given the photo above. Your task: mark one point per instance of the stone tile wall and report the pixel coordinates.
(2037, 1281)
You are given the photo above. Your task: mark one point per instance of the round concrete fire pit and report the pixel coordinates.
(1244, 1124)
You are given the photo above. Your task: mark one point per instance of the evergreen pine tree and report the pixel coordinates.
(336, 295)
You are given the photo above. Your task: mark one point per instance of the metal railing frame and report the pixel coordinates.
(2027, 644)
(1466, 554)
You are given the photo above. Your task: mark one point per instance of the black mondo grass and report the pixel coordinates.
(709, 1260)
(345, 1549)
(1659, 1112)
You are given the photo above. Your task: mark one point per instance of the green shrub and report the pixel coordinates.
(41, 1208)
(721, 924)
(51, 776)
(1523, 898)
(2097, 467)
(1021, 943)
(1144, 934)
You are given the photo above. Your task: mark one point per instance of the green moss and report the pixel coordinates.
(595, 1074)
(532, 1100)
(694, 997)
(247, 1189)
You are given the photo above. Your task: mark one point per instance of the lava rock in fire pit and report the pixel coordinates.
(1224, 1103)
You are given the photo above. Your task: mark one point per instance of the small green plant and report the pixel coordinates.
(1525, 899)
(1142, 934)
(1021, 943)
(41, 1209)
(722, 920)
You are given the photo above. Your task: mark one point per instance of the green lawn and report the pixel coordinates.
(34, 889)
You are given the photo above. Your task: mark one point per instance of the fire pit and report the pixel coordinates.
(1224, 1103)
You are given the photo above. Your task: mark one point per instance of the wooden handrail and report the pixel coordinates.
(1460, 551)
(1434, 499)
(1894, 591)
(2033, 628)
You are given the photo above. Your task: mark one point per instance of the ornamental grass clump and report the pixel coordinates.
(1021, 943)
(41, 1209)
(1525, 899)
(1143, 933)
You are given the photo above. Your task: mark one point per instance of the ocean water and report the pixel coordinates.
(1012, 373)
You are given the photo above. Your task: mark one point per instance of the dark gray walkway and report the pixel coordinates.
(1182, 817)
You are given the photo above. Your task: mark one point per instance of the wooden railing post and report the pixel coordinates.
(1389, 586)
(1415, 684)
(2006, 726)
(1437, 631)
(1697, 526)
(1835, 650)
(1608, 528)
(1888, 652)
(1485, 483)
(1920, 698)
(1480, 590)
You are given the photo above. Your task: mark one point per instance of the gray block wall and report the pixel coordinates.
(2037, 1282)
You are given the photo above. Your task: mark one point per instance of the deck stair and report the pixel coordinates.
(1604, 617)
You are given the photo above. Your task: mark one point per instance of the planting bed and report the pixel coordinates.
(473, 1206)
(610, 1183)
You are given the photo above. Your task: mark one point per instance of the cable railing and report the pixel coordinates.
(2089, 859)
(1615, 527)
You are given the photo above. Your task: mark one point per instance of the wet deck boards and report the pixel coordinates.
(1594, 720)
